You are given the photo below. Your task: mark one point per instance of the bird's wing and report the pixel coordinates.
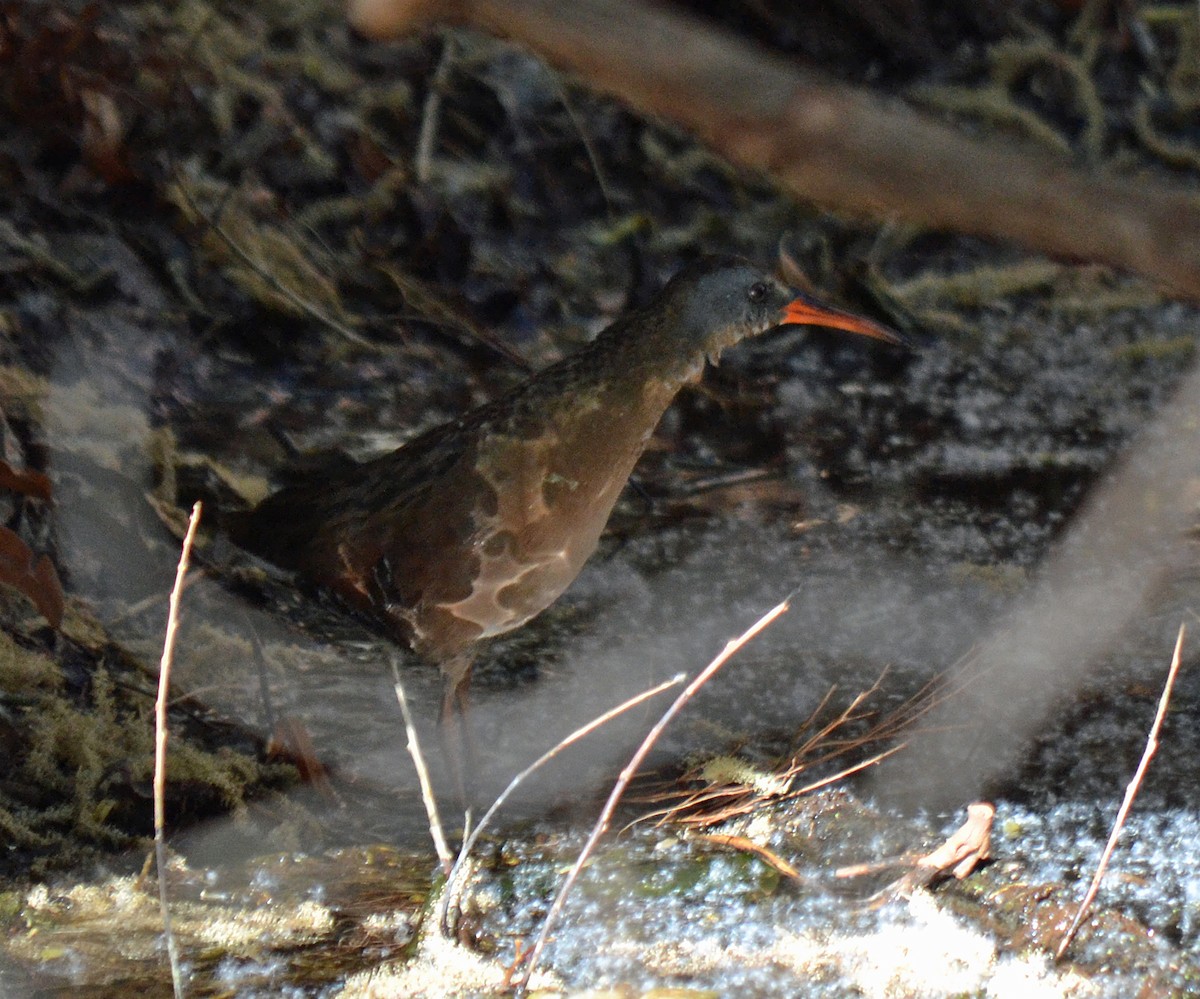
(291, 526)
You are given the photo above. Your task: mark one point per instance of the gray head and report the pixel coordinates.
(720, 300)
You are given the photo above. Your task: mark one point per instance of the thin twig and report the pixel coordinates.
(631, 768)
(1130, 793)
(846, 772)
(160, 749)
(723, 797)
(451, 892)
(301, 303)
(445, 857)
(586, 139)
(431, 113)
(747, 845)
(688, 812)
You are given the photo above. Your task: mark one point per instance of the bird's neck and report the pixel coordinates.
(646, 347)
(631, 372)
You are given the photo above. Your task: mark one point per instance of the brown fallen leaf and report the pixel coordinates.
(25, 482)
(38, 580)
(967, 845)
(958, 855)
(291, 743)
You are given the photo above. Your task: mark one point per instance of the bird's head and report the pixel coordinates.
(721, 300)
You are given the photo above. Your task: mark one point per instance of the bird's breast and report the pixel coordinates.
(548, 497)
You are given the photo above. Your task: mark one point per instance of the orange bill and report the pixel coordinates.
(805, 311)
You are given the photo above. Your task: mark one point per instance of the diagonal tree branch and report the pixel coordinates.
(832, 144)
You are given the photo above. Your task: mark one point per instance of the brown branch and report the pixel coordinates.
(747, 845)
(632, 767)
(36, 578)
(160, 750)
(1131, 791)
(832, 144)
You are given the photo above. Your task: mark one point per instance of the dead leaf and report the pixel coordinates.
(291, 743)
(38, 580)
(958, 855)
(25, 482)
(967, 845)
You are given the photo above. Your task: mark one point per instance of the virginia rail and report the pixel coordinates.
(476, 526)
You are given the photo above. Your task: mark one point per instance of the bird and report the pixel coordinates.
(474, 527)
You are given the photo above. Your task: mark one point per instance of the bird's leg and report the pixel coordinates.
(454, 725)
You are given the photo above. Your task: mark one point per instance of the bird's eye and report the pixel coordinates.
(758, 292)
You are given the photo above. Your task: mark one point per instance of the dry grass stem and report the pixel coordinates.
(445, 857)
(747, 845)
(431, 113)
(842, 774)
(299, 302)
(631, 768)
(453, 887)
(1131, 791)
(160, 748)
(723, 796)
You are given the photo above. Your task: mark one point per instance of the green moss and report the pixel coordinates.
(11, 904)
(23, 672)
(1161, 349)
(83, 763)
(981, 286)
(1007, 579)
